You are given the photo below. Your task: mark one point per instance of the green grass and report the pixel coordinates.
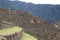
(9, 30)
(26, 36)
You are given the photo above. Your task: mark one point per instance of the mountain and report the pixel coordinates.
(30, 24)
(49, 13)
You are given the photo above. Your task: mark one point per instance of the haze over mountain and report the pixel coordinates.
(49, 13)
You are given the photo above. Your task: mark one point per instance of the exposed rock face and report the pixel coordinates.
(31, 24)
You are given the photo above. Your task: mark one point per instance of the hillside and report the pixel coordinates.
(49, 13)
(31, 24)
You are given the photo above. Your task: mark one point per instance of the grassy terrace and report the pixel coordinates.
(26, 36)
(9, 31)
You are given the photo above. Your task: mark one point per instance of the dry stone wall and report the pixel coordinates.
(2, 38)
(37, 28)
(5, 24)
(13, 36)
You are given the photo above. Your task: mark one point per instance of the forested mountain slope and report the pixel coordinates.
(49, 13)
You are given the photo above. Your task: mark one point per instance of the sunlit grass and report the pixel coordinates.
(26, 36)
(9, 30)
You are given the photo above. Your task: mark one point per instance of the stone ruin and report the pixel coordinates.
(13, 36)
(2, 38)
(5, 24)
(31, 24)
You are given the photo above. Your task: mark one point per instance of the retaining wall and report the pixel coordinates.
(12, 36)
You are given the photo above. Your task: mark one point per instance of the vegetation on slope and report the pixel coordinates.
(9, 30)
(26, 36)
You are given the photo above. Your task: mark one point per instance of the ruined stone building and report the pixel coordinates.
(31, 24)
